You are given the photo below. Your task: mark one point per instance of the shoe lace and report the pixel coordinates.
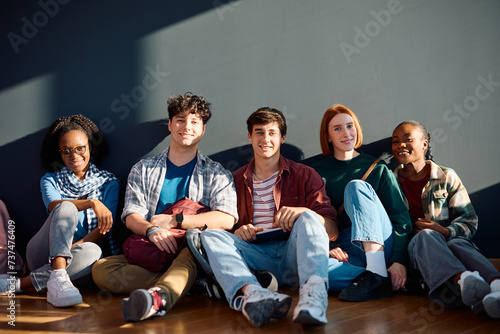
(238, 302)
(158, 301)
(363, 278)
(64, 282)
(311, 295)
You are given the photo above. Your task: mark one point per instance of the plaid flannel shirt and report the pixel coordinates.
(210, 183)
(446, 201)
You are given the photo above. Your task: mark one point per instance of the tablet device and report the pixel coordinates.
(271, 234)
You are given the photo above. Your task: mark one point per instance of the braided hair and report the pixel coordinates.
(426, 135)
(49, 154)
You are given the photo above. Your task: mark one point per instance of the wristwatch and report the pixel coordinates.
(179, 218)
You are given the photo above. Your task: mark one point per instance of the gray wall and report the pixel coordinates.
(118, 61)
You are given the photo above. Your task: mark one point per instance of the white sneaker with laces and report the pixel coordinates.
(60, 291)
(313, 301)
(260, 305)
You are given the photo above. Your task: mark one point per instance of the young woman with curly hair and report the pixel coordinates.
(81, 201)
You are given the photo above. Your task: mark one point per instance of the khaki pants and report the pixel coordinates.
(115, 274)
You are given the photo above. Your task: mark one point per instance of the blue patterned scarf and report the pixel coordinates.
(89, 188)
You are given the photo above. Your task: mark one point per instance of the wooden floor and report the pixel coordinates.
(101, 313)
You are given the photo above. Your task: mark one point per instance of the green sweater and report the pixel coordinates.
(338, 173)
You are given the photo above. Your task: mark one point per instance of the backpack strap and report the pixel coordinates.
(368, 171)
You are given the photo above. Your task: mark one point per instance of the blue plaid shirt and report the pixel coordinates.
(210, 183)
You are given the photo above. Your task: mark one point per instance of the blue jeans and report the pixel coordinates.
(370, 222)
(293, 261)
(54, 239)
(438, 260)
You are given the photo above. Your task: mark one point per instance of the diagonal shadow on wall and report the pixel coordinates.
(237, 157)
(20, 174)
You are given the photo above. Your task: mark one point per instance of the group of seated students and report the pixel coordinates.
(354, 226)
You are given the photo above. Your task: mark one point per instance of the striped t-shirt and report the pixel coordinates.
(263, 202)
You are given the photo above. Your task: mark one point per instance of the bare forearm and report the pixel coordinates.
(212, 219)
(94, 236)
(81, 204)
(137, 223)
(331, 228)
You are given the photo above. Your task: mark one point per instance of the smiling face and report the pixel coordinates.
(77, 163)
(342, 133)
(266, 140)
(186, 130)
(408, 144)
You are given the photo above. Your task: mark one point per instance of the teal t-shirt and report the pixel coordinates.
(176, 184)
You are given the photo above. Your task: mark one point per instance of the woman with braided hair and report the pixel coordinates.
(81, 201)
(444, 221)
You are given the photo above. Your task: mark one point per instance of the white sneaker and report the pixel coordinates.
(491, 303)
(60, 291)
(260, 305)
(311, 308)
(473, 288)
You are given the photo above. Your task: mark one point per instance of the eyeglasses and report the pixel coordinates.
(78, 150)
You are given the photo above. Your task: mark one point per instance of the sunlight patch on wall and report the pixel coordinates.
(31, 102)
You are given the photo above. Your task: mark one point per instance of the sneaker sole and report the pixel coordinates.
(136, 306)
(480, 288)
(259, 313)
(305, 317)
(65, 302)
(281, 308)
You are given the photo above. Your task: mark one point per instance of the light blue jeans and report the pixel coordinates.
(370, 222)
(292, 261)
(55, 238)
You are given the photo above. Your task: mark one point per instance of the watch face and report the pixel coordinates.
(179, 218)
